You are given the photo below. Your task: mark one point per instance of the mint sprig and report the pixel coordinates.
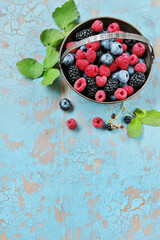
(65, 17)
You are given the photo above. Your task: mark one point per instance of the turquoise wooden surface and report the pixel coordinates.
(87, 184)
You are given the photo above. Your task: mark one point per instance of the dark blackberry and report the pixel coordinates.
(137, 80)
(111, 86)
(130, 43)
(113, 115)
(99, 54)
(84, 34)
(73, 73)
(108, 126)
(127, 119)
(91, 88)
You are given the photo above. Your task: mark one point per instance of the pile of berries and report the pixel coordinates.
(108, 70)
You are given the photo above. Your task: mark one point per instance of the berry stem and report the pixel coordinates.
(122, 109)
(129, 111)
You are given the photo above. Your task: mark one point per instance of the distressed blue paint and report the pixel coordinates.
(106, 185)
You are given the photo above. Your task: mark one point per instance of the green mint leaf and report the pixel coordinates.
(134, 128)
(52, 37)
(69, 28)
(152, 118)
(49, 76)
(30, 68)
(52, 57)
(66, 14)
(140, 112)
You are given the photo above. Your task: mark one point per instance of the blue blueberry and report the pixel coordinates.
(116, 48)
(123, 76)
(131, 70)
(107, 59)
(84, 75)
(140, 60)
(122, 84)
(113, 98)
(83, 48)
(128, 53)
(65, 104)
(68, 59)
(115, 75)
(105, 44)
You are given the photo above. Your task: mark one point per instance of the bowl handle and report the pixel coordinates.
(104, 36)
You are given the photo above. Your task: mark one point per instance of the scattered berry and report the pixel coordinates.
(129, 90)
(73, 73)
(94, 45)
(113, 67)
(91, 55)
(82, 64)
(113, 115)
(109, 127)
(124, 47)
(116, 48)
(123, 61)
(101, 81)
(140, 67)
(85, 33)
(127, 119)
(97, 26)
(71, 124)
(121, 126)
(123, 76)
(111, 86)
(107, 59)
(68, 59)
(98, 122)
(80, 54)
(120, 94)
(137, 80)
(80, 84)
(113, 27)
(100, 96)
(138, 49)
(133, 59)
(69, 44)
(91, 70)
(104, 71)
(65, 104)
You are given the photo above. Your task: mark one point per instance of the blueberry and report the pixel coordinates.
(105, 44)
(115, 75)
(123, 76)
(68, 59)
(84, 75)
(140, 60)
(131, 70)
(113, 98)
(65, 104)
(128, 53)
(116, 48)
(107, 59)
(83, 48)
(121, 85)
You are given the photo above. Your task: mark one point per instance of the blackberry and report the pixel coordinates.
(137, 80)
(129, 42)
(73, 73)
(91, 88)
(113, 115)
(84, 34)
(108, 126)
(111, 86)
(127, 119)
(99, 54)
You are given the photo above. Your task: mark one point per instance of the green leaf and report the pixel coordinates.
(49, 76)
(52, 57)
(69, 28)
(66, 14)
(30, 68)
(152, 118)
(140, 112)
(52, 37)
(135, 128)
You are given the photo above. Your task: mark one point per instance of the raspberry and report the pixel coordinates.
(140, 67)
(123, 61)
(91, 70)
(91, 55)
(71, 123)
(119, 39)
(82, 64)
(73, 73)
(80, 84)
(85, 33)
(98, 122)
(104, 71)
(129, 90)
(113, 27)
(133, 59)
(111, 86)
(120, 93)
(100, 96)
(97, 26)
(101, 81)
(124, 47)
(94, 45)
(70, 44)
(113, 67)
(138, 49)
(80, 54)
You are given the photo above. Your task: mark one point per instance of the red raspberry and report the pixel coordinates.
(71, 123)
(91, 55)
(82, 64)
(129, 90)
(80, 54)
(94, 45)
(133, 59)
(113, 67)
(124, 47)
(97, 26)
(98, 122)
(70, 44)
(80, 84)
(101, 81)
(100, 96)
(120, 93)
(113, 27)
(123, 61)
(91, 70)
(119, 39)
(138, 49)
(104, 71)
(140, 67)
